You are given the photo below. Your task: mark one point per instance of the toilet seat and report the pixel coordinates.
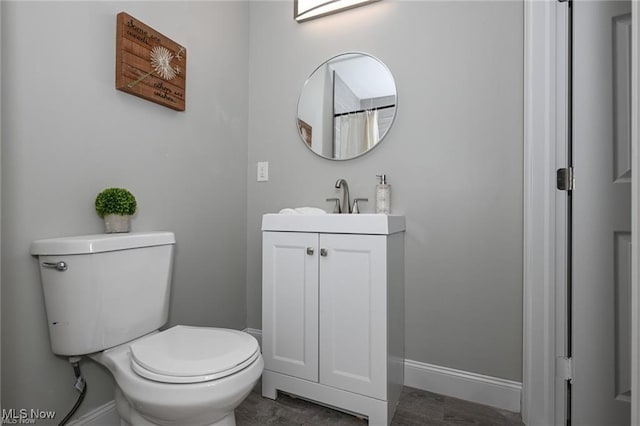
(185, 354)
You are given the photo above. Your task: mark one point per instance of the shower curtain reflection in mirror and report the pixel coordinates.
(355, 133)
(347, 106)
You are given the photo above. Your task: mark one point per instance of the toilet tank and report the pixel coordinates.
(104, 290)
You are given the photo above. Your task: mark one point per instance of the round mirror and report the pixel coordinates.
(347, 106)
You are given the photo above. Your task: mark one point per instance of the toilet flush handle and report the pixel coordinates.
(60, 266)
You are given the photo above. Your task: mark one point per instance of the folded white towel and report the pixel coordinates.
(310, 210)
(288, 211)
(303, 210)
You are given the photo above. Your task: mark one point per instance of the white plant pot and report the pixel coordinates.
(115, 223)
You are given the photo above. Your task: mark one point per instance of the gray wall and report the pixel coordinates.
(453, 158)
(67, 134)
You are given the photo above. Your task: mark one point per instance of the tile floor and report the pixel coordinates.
(416, 407)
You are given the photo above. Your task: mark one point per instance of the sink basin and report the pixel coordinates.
(380, 224)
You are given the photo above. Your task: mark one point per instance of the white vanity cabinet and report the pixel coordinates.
(333, 314)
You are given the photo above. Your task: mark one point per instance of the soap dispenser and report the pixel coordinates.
(383, 195)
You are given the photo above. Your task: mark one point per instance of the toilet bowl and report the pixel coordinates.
(186, 376)
(107, 296)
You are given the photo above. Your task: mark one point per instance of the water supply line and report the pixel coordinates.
(80, 385)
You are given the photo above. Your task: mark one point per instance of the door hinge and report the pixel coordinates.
(565, 179)
(564, 368)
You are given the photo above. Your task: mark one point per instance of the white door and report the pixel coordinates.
(290, 303)
(353, 313)
(601, 214)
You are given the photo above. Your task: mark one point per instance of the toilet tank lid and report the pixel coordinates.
(85, 244)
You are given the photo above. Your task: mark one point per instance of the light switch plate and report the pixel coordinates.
(263, 171)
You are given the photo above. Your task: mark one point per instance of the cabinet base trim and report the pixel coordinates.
(487, 390)
(375, 410)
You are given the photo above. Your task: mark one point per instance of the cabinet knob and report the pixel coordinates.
(309, 251)
(323, 252)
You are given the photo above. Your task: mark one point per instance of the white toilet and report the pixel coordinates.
(107, 296)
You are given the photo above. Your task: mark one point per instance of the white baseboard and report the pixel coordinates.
(487, 390)
(104, 415)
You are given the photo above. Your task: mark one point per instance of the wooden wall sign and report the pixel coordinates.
(149, 65)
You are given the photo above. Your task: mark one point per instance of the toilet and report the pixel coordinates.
(107, 296)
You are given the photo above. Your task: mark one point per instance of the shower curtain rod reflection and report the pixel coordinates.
(363, 110)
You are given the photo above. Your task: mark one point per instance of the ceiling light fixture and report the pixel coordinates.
(304, 10)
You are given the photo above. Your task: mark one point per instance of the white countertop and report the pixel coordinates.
(379, 224)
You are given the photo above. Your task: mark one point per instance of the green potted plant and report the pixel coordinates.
(115, 206)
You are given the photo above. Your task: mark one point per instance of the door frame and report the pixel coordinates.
(540, 263)
(543, 251)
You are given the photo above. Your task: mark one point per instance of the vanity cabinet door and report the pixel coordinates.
(353, 313)
(290, 303)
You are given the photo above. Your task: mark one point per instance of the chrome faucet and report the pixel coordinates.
(346, 202)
